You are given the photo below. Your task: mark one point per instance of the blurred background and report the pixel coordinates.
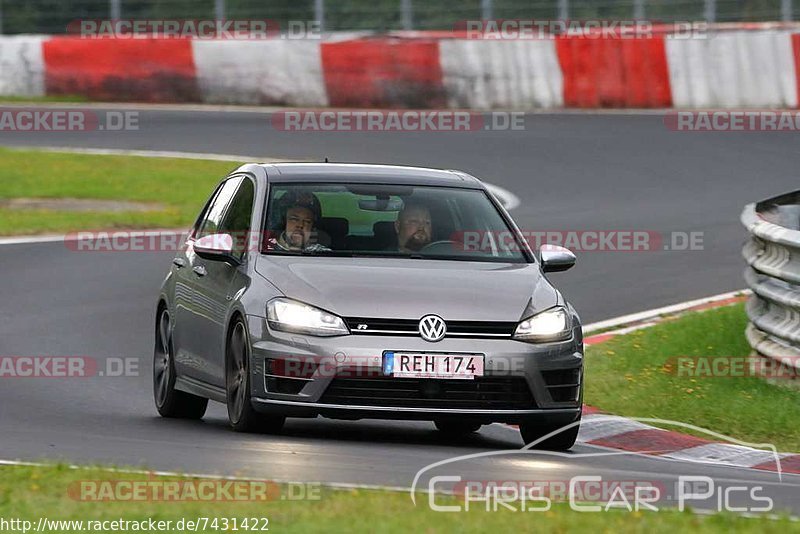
(52, 16)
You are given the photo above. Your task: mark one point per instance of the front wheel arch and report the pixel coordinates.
(247, 419)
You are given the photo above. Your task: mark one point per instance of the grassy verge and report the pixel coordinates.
(182, 186)
(30, 493)
(635, 375)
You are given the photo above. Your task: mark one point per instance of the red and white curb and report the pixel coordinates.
(621, 433)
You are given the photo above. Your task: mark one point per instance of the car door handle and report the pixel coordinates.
(200, 270)
(179, 262)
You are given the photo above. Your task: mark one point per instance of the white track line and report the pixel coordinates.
(24, 240)
(649, 314)
(75, 236)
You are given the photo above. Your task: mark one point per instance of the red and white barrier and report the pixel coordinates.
(520, 74)
(22, 66)
(265, 72)
(752, 67)
(146, 70)
(737, 69)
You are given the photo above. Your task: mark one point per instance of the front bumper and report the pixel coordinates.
(541, 381)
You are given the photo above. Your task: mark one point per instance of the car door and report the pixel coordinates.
(183, 293)
(192, 311)
(216, 283)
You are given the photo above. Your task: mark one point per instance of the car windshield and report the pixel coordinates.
(387, 220)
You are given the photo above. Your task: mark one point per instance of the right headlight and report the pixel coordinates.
(549, 325)
(293, 316)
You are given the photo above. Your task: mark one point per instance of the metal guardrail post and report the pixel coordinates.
(115, 9)
(563, 9)
(487, 9)
(319, 14)
(786, 10)
(773, 274)
(638, 10)
(406, 15)
(710, 11)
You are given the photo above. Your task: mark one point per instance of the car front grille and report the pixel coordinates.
(488, 392)
(410, 327)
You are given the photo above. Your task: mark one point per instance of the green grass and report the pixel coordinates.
(630, 375)
(33, 492)
(181, 185)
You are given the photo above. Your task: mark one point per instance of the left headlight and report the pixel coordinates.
(293, 316)
(549, 325)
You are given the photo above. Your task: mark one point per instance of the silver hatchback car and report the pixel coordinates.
(367, 291)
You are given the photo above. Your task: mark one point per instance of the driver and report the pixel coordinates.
(300, 213)
(413, 227)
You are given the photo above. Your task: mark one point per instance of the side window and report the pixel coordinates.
(212, 220)
(236, 220)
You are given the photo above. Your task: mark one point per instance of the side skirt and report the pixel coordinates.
(201, 389)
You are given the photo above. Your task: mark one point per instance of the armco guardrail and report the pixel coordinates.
(773, 274)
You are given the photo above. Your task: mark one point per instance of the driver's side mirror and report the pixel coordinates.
(216, 247)
(555, 258)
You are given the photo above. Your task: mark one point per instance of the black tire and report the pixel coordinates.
(169, 401)
(456, 428)
(563, 441)
(241, 414)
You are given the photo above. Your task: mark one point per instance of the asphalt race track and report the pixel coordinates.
(571, 172)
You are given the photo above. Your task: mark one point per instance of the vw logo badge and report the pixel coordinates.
(432, 328)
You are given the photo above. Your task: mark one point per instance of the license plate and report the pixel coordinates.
(422, 365)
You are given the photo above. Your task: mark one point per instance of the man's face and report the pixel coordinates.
(414, 228)
(299, 223)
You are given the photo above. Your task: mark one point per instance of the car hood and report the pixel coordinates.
(410, 288)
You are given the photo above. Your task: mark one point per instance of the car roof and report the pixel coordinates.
(364, 173)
